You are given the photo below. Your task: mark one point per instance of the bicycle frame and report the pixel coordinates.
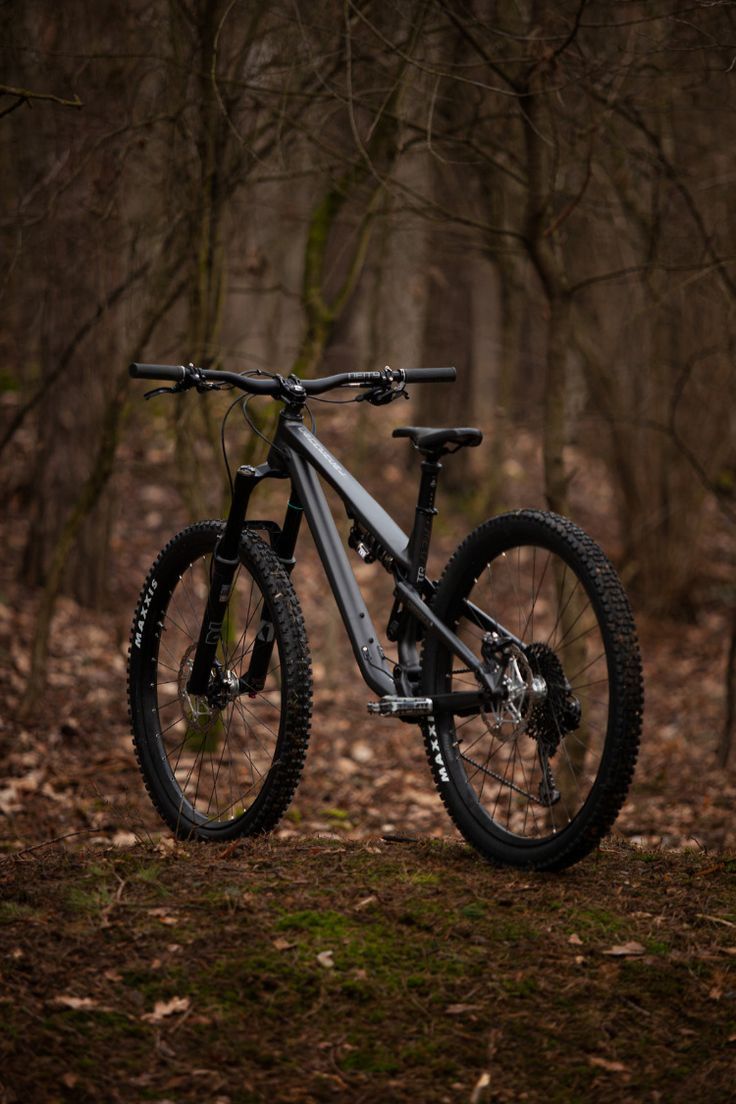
(298, 455)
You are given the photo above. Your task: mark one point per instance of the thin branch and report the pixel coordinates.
(423, 67)
(571, 36)
(25, 96)
(64, 360)
(698, 271)
(631, 115)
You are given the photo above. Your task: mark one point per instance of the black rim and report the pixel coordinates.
(528, 769)
(213, 754)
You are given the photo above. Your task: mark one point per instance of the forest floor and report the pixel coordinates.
(363, 952)
(315, 970)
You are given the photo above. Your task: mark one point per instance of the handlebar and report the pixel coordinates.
(277, 386)
(430, 375)
(188, 376)
(157, 371)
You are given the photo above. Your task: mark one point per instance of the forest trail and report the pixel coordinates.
(394, 970)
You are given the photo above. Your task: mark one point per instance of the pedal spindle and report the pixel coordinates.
(390, 706)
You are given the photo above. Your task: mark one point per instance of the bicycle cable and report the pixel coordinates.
(243, 400)
(335, 402)
(232, 406)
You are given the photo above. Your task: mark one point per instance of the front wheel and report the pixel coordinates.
(225, 763)
(535, 779)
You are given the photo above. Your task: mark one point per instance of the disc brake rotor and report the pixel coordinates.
(524, 688)
(200, 716)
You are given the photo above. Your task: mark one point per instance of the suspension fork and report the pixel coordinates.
(260, 657)
(225, 563)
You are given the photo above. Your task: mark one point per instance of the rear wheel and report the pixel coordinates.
(537, 779)
(225, 763)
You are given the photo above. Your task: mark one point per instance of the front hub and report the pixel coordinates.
(202, 711)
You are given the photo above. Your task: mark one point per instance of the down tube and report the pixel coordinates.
(368, 653)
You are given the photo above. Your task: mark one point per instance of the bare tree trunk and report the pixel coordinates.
(448, 340)
(545, 252)
(202, 195)
(725, 746)
(556, 478)
(68, 426)
(86, 501)
(506, 373)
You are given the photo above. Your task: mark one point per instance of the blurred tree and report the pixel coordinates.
(563, 172)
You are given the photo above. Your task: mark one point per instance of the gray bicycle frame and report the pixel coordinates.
(298, 455)
(297, 450)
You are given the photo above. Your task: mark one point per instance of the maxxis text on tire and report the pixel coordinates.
(229, 766)
(537, 783)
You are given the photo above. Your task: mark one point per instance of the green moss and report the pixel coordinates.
(597, 920)
(374, 1060)
(422, 877)
(519, 987)
(511, 929)
(11, 911)
(88, 900)
(325, 923)
(398, 967)
(658, 947)
(98, 1023)
(228, 895)
(150, 872)
(337, 814)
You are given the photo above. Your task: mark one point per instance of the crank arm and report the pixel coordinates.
(461, 703)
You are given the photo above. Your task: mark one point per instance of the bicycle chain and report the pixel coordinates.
(505, 782)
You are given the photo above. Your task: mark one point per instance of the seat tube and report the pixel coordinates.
(425, 513)
(402, 627)
(224, 566)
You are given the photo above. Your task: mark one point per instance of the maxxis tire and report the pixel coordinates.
(281, 777)
(501, 536)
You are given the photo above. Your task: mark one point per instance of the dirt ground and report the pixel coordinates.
(318, 970)
(444, 979)
(70, 768)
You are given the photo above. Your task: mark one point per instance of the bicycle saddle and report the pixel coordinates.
(428, 440)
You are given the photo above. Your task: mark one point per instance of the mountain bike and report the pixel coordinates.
(520, 664)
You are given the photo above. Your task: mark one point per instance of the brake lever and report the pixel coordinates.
(385, 393)
(381, 396)
(161, 391)
(194, 378)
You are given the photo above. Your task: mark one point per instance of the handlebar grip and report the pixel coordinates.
(157, 371)
(430, 375)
